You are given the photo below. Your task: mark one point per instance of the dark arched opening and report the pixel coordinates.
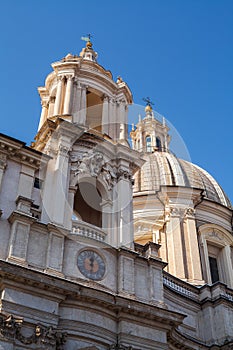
(87, 204)
(158, 144)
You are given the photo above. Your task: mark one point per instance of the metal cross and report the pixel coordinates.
(148, 101)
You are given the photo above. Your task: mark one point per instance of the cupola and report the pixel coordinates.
(82, 92)
(150, 134)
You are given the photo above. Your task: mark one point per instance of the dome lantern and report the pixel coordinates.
(87, 52)
(150, 134)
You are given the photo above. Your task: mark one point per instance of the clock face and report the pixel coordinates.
(91, 264)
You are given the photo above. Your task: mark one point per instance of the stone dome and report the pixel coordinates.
(165, 169)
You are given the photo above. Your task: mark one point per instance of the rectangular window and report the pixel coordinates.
(214, 269)
(37, 183)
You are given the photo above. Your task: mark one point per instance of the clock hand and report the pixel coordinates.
(92, 263)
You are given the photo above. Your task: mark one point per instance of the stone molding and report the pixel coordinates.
(49, 337)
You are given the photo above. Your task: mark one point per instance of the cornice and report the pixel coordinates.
(18, 151)
(124, 305)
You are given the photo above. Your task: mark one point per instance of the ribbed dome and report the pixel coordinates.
(165, 169)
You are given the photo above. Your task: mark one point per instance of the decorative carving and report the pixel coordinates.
(125, 174)
(181, 212)
(93, 164)
(190, 211)
(175, 211)
(109, 175)
(90, 163)
(9, 326)
(11, 329)
(63, 150)
(3, 161)
(216, 234)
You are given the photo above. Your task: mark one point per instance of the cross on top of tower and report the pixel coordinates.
(148, 101)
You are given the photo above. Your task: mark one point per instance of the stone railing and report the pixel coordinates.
(85, 229)
(180, 287)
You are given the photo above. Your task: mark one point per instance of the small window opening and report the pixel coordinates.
(37, 183)
(214, 269)
(158, 143)
(148, 144)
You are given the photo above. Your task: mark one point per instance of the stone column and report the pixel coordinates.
(112, 119)
(191, 248)
(68, 94)
(105, 115)
(126, 122)
(44, 113)
(76, 102)
(141, 141)
(83, 105)
(176, 264)
(58, 100)
(51, 106)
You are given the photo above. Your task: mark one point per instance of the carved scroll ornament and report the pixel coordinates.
(45, 337)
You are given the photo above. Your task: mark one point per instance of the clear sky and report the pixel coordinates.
(178, 52)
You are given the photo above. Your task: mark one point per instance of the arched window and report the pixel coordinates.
(148, 144)
(158, 143)
(87, 204)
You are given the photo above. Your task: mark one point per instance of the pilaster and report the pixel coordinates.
(176, 263)
(3, 164)
(191, 248)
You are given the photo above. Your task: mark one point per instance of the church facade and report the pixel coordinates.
(106, 245)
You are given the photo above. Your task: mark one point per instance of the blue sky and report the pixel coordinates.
(178, 52)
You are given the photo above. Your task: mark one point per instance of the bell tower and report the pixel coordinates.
(87, 186)
(81, 91)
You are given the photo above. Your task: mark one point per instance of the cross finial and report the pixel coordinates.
(148, 101)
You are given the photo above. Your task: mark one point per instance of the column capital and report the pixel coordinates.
(3, 161)
(69, 77)
(83, 86)
(60, 77)
(123, 174)
(105, 98)
(44, 104)
(189, 213)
